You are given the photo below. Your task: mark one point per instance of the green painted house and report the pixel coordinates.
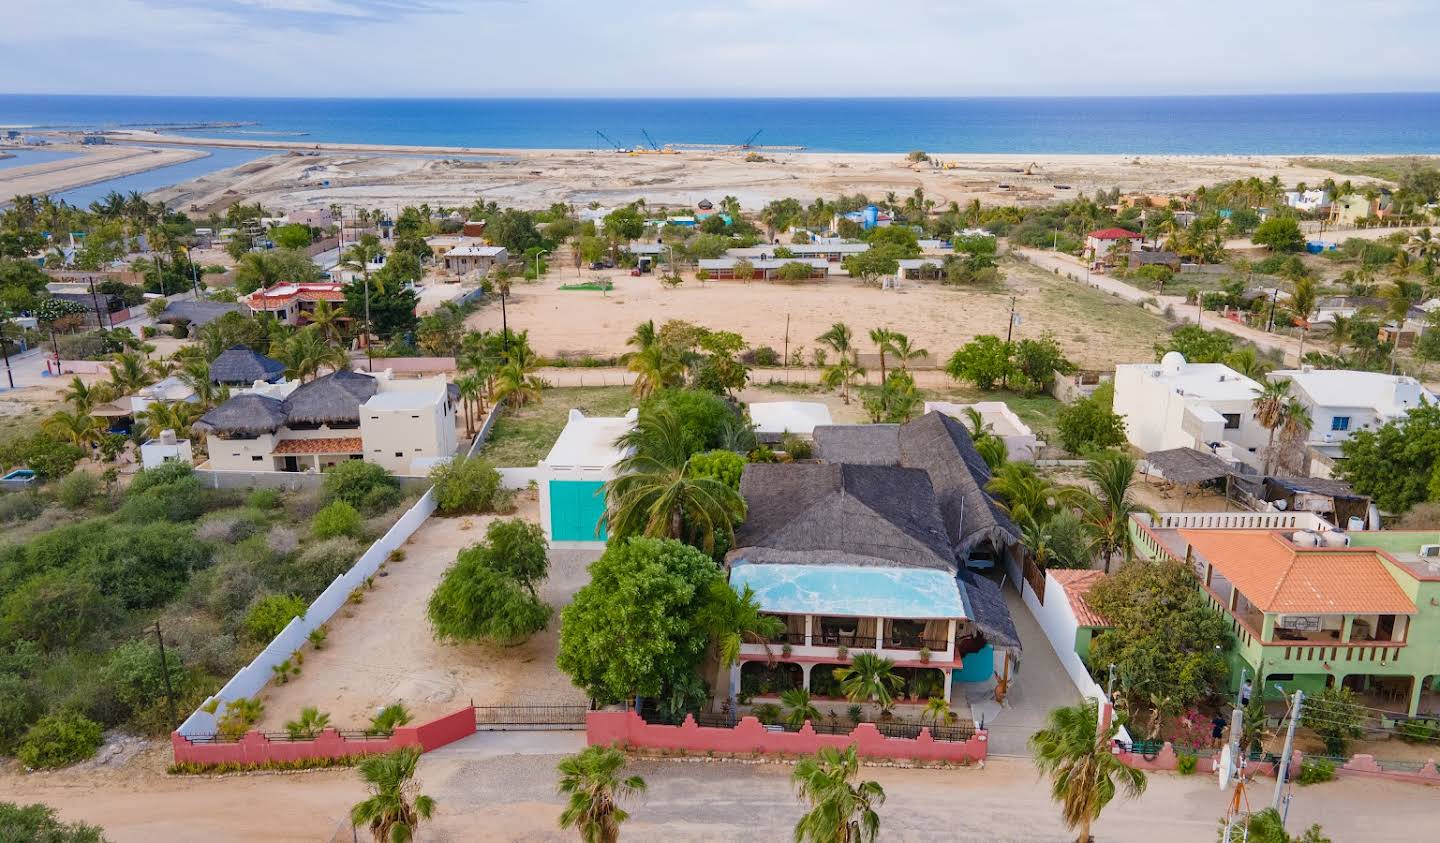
(573, 475)
(1311, 606)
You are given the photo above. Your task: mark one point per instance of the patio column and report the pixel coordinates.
(950, 643)
(805, 674)
(1346, 626)
(879, 634)
(808, 631)
(317, 463)
(948, 683)
(1417, 686)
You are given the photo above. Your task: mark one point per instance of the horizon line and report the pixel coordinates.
(736, 97)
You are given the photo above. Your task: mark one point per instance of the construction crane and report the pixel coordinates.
(653, 145)
(606, 138)
(750, 141)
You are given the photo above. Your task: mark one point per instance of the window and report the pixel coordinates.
(1340, 423)
(256, 459)
(1232, 421)
(400, 454)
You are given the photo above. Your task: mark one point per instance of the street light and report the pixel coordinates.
(537, 262)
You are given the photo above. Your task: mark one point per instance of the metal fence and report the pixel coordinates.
(957, 732)
(286, 737)
(522, 717)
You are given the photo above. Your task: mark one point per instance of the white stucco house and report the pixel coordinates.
(1020, 441)
(1341, 402)
(572, 477)
(1314, 199)
(1175, 404)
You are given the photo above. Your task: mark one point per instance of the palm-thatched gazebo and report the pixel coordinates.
(239, 366)
(333, 401)
(244, 417)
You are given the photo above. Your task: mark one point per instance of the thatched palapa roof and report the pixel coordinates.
(858, 444)
(986, 607)
(239, 366)
(806, 514)
(244, 416)
(1186, 466)
(334, 398)
(942, 446)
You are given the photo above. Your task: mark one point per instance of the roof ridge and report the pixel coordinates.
(1289, 567)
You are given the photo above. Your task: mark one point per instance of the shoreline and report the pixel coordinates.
(53, 177)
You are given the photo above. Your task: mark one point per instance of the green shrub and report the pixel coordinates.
(337, 519)
(1316, 771)
(263, 499)
(49, 457)
(168, 493)
(39, 824)
(465, 485)
(240, 715)
(133, 674)
(767, 356)
(351, 481)
(489, 593)
(20, 706)
(381, 498)
(58, 740)
(767, 713)
(193, 768)
(19, 507)
(1417, 731)
(388, 719)
(77, 489)
(162, 475)
(271, 615)
(319, 564)
(1186, 762)
(725, 466)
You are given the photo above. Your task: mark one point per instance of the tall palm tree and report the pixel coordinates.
(128, 373)
(655, 494)
(884, 340)
(592, 781)
(798, 707)
(1109, 509)
(870, 676)
(306, 352)
(178, 416)
(395, 806)
(515, 384)
(79, 429)
(329, 320)
(1269, 406)
(655, 368)
(472, 388)
(733, 618)
(904, 351)
(1340, 332)
(842, 375)
(645, 336)
(1084, 774)
(840, 812)
(358, 259)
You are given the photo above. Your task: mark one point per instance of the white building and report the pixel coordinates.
(1175, 404)
(472, 258)
(1020, 441)
(1307, 200)
(572, 478)
(774, 419)
(1341, 402)
(156, 452)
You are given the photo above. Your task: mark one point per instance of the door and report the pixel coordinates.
(291, 464)
(575, 510)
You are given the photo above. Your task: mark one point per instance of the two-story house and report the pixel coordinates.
(1341, 402)
(1176, 404)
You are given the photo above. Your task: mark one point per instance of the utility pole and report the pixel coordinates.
(95, 300)
(1284, 770)
(1237, 719)
(1009, 332)
(165, 674)
(786, 361)
(1110, 684)
(9, 375)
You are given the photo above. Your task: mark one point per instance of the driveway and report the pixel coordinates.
(1040, 684)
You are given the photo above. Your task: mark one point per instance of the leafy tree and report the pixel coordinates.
(1279, 234)
(625, 223)
(465, 485)
(1090, 424)
(22, 285)
(1084, 774)
(1395, 464)
(133, 674)
(721, 369)
(869, 676)
(630, 630)
(39, 824)
(517, 548)
(704, 417)
(874, 262)
(1268, 826)
(515, 230)
(59, 740)
(725, 466)
(1037, 361)
(271, 615)
(392, 305)
(840, 811)
(984, 361)
(55, 611)
(1197, 344)
(489, 593)
(395, 807)
(1335, 717)
(1164, 634)
(594, 789)
(293, 236)
(338, 518)
(256, 270)
(20, 706)
(355, 482)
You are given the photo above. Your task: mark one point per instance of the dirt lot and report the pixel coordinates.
(381, 650)
(1096, 330)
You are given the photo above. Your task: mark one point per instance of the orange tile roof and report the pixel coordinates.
(1278, 577)
(1077, 584)
(341, 445)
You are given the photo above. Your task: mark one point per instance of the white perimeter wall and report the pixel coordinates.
(1060, 626)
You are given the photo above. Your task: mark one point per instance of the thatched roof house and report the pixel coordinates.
(332, 400)
(239, 366)
(942, 447)
(805, 514)
(244, 417)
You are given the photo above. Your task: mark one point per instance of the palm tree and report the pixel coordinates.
(472, 388)
(1109, 509)
(1269, 406)
(644, 336)
(83, 397)
(514, 383)
(842, 375)
(310, 723)
(79, 429)
(1340, 331)
(178, 416)
(1025, 494)
(358, 259)
(840, 338)
(196, 375)
(905, 353)
(798, 708)
(938, 712)
(884, 340)
(732, 618)
(1084, 774)
(595, 789)
(655, 368)
(655, 494)
(840, 812)
(395, 806)
(306, 352)
(128, 373)
(329, 320)
(870, 677)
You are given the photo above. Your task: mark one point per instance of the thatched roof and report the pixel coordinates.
(244, 415)
(813, 514)
(336, 397)
(1186, 466)
(858, 444)
(199, 313)
(942, 446)
(987, 608)
(239, 366)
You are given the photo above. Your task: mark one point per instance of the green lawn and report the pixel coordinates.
(523, 437)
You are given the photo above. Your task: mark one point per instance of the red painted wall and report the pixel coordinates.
(626, 728)
(255, 748)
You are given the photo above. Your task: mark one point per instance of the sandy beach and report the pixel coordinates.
(92, 164)
(375, 176)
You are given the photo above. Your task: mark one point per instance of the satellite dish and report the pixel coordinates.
(1225, 767)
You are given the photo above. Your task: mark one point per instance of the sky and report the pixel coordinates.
(357, 48)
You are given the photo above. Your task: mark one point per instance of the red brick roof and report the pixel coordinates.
(1076, 584)
(1113, 234)
(1276, 576)
(342, 445)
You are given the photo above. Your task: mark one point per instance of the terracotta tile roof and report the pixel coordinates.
(1113, 234)
(1278, 577)
(342, 445)
(1076, 584)
(321, 295)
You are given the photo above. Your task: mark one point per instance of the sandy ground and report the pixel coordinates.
(377, 176)
(95, 163)
(502, 787)
(382, 651)
(1097, 330)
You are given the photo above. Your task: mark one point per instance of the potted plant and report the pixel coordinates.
(842, 652)
(925, 655)
(785, 651)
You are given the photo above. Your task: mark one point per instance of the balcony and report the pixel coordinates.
(821, 638)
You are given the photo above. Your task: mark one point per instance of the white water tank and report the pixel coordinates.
(1335, 538)
(1355, 523)
(1305, 538)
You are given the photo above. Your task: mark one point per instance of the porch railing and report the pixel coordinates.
(495, 717)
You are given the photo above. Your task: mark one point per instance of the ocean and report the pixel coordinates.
(1198, 125)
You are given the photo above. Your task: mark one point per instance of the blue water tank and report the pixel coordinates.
(870, 217)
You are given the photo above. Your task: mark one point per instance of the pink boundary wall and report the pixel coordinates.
(629, 730)
(255, 748)
(1364, 766)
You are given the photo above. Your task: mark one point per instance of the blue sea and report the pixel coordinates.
(1318, 123)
